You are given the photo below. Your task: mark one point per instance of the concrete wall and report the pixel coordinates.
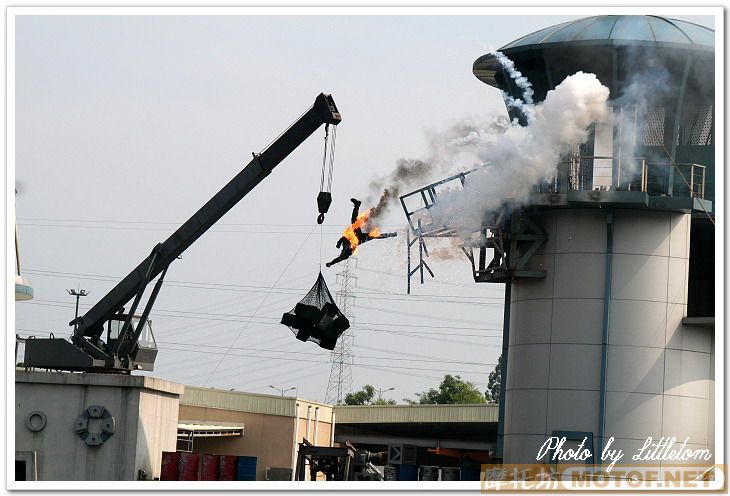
(268, 437)
(659, 372)
(156, 428)
(145, 413)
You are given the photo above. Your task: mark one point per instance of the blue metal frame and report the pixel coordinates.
(503, 377)
(606, 325)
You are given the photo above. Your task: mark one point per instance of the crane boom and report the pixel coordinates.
(117, 353)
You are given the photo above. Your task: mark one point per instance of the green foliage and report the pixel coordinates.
(493, 385)
(452, 390)
(362, 397)
(366, 396)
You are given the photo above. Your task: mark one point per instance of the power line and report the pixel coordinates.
(262, 302)
(286, 290)
(173, 223)
(123, 228)
(416, 334)
(430, 360)
(276, 320)
(325, 361)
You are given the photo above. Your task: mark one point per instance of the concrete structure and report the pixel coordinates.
(601, 331)
(466, 427)
(273, 425)
(658, 371)
(457, 437)
(62, 434)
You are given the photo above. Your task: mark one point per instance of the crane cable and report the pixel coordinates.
(324, 157)
(321, 189)
(332, 157)
(325, 182)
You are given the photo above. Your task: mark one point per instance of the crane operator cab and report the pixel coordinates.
(144, 353)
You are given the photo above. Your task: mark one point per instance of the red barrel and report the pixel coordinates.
(189, 466)
(210, 467)
(227, 471)
(170, 465)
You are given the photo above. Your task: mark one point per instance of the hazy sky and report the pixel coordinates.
(126, 125)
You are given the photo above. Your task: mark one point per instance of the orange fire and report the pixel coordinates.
(359, 223)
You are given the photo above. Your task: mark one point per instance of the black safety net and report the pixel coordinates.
(316, 317)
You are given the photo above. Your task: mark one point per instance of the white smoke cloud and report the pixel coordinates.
(643, 99)
(521, 157)
(525, 105)
(456, 149)
(518, 157)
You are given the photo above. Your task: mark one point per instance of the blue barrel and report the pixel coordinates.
(408, 472)
(246, 468)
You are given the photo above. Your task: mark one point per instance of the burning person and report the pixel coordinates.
(354, 235)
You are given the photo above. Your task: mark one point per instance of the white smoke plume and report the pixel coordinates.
(518, 157)
(521, 157)
(456, 149)
(526, 106)
(642, 100)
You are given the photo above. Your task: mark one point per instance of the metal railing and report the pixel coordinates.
(591, 173)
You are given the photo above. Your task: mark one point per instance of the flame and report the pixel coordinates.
(359, 223)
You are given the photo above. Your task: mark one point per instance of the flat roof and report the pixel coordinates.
(389, 414)
(98, 379)
(267, 404)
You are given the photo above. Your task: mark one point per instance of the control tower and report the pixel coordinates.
(609, 267)
(613, 335)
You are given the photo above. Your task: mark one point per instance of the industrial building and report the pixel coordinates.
(270, 428)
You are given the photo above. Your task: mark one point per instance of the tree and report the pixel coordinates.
(494, 383)
(453, 389)
(366, 396)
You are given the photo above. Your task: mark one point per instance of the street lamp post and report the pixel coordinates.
(282, 390)
(381, 391)
(78, 293)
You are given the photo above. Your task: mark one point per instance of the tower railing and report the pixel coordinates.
(592, 172)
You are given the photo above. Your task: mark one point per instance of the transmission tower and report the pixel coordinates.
(340, 382)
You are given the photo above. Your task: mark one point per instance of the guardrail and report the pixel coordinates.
(589, 173)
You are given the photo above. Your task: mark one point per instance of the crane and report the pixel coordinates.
(129, 343)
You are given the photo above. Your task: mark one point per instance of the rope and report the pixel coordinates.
(229, 348)
(324, 156)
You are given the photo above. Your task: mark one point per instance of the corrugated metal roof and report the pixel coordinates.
(252, 402)
(372, 414)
